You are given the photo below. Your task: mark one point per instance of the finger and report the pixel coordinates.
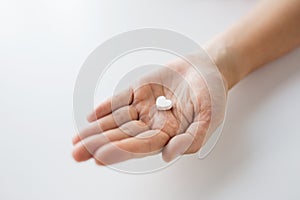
(113, 103)
(117, 118)
(142, 145)
(85, 149)
(188, 142)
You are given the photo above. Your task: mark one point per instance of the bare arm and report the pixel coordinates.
(266, 33)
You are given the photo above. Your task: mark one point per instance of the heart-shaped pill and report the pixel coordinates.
(162, 103)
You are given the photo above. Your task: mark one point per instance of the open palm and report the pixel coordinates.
(128, 125)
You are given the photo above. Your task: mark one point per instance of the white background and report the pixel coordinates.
(42, 46)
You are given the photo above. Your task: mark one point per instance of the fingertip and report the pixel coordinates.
(165, 158)
(168, 157)
(81, 153)
(75, 139)
(91, 117)
(76, 156)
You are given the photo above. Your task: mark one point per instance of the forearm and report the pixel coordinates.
(266, 33)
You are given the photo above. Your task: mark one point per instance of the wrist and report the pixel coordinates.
(225, 59)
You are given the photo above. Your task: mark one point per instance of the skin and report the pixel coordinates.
(133, 128)
(267, 32)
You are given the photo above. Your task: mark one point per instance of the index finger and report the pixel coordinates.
(113, 103)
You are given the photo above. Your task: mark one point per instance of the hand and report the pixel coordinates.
(128, 125)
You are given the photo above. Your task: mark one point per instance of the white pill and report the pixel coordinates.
(162, 103)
